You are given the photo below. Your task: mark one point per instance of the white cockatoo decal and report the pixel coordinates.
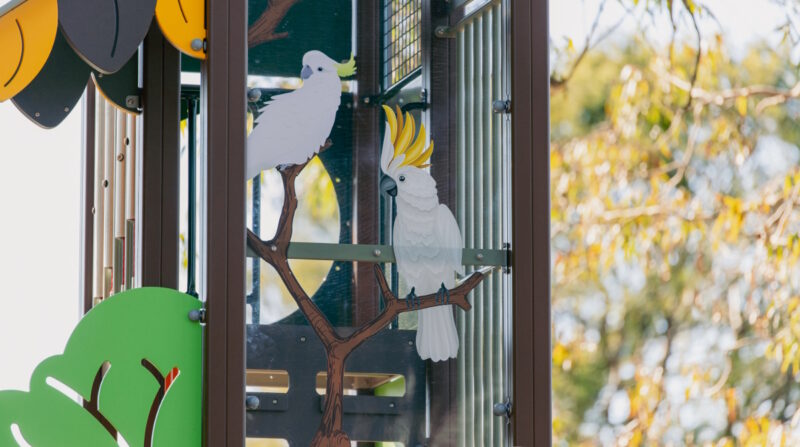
(293, 126)
(426, 239)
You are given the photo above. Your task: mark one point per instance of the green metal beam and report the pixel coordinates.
(381, 253)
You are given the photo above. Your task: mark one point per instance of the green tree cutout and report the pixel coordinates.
(135, 359)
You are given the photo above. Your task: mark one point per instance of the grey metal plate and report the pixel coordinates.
(295, 415)
(105, 33)
(58, 87)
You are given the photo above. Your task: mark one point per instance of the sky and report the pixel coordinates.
(742, 21)
(39, 241)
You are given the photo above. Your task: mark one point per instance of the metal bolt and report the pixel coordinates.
(273, 248)
(120, 157)
(479, 256)
(410, 343)
(66, 109)
(197, 315)
(94, 211)
(501, 106)
(253, 94)
(274, 401)
(376, 252)
(198, 44)
(36, 114)
(391, 405)
(303, 339)
(252, 402)
(502, 408)
(366, 100)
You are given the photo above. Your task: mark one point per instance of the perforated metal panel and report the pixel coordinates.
(402, 45)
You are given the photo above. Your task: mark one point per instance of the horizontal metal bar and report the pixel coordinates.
(381, 253)
(370, 404)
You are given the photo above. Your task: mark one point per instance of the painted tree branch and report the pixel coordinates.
(263, 29)
(337, 348)
(91, 405)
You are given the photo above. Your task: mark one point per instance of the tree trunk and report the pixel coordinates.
(329, 433)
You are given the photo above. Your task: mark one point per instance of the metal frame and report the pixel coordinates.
(87, 199)
(530, 99)
(160, 164)
(223, 105)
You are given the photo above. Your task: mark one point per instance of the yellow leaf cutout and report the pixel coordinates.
(183, 21)
(27, 33)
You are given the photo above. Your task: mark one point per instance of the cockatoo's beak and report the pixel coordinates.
(388, 186)
(306, 73)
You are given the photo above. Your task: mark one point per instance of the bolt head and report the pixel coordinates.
(376, 252)
(197, 44)
(273, 248)
(252, 402)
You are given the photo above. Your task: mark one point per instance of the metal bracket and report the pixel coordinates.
(134, 102)
(422, 104)
(444, 32)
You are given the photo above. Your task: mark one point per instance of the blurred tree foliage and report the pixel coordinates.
(675, 182)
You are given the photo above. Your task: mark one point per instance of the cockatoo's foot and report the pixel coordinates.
(442, 295)
(411, 298)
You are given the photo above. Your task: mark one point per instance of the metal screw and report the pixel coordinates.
(66, 109)
(273, 248)
(376, 252)
(303, 339)
(120, 157)
(410, 343)
(94, 211)
(252, 402)
(479, 256)
(391, 405)
(502, 408)
(444, 32)
(366, 100)
(274, 401)
(36, 114)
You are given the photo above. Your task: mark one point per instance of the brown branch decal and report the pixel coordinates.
(91, 404)
(337, 348)
(263, 29)
(164, 382)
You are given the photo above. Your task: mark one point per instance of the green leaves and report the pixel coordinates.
(135, 360)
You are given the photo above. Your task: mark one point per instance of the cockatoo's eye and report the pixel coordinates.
(402, 178)
(319, 68)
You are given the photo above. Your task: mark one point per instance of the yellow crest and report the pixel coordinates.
(402, 134)
(347, 68)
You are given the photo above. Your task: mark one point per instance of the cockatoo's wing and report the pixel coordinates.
(449, 235)
(290, 129)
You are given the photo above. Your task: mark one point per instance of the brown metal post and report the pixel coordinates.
(223, 95)
(530, 98)
(160, 175)
(441, 77)
(366, 150)
(87, 199)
